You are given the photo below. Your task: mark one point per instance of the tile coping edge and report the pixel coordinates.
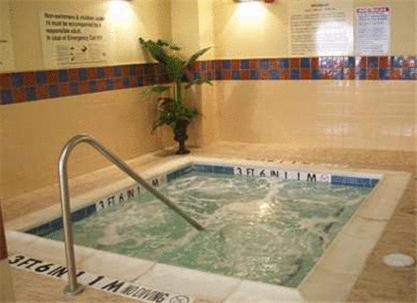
(387, 178)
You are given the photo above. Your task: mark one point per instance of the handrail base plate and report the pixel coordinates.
(79, 289)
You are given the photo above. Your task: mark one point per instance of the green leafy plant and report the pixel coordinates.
(172, 109)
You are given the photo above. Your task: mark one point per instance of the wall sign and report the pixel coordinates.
(6, 44)
(71, 39)
(373, 31)
(320, 28)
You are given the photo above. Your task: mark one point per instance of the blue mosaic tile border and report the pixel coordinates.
(228, 170)
(56, 224)
(309, 68)
(127, 194)
(116, 199)
(178, 173)
(354, 181)
(288, 174)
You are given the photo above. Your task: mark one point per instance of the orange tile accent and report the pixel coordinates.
(73, 74)
(264, 75)
(384, 62)
(125, 70)
(235, 64)
(305, 74)
(284, 74)
(253, 64)
(42, 92)
(244, 74)
(29, 78)
(372, 74)
(91, 72)
(84, 89)
(64, 89)
(52, 76)
(118, 83)
(227, 75)
(314, 63)
(101, 85)
(18, 95)
(274, 64)
(5, 81)
(295, 63)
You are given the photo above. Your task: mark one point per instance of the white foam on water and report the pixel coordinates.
(262, 229)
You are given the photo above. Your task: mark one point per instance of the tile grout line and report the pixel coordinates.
(145, 272)
(232, 291)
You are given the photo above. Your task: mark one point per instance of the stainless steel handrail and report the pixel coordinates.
(73, 288)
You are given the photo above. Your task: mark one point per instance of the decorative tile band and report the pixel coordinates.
(317, 68)
(127, 194)
(31, 86)
(38, 85)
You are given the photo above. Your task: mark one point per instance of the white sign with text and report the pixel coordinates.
(73, 39)
(373, 31)
(320, 28)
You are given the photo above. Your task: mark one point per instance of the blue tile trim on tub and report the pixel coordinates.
(56, 224)
(354, 181)
(178, 173)
(228, 170)
(87, 211)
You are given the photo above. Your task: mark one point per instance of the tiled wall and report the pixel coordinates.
(38, 85)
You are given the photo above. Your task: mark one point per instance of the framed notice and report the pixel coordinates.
(320, 28)
(373, 31)
(6, 43)
(73, 39)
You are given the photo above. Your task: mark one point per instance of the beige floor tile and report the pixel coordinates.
(374, 284)
(182, 280)
(30, 287)
(249, 292)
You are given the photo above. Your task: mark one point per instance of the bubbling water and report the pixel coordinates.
(260, 229)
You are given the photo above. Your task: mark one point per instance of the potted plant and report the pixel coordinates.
(171, 110)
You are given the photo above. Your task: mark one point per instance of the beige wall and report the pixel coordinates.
(193, 29)
(250, 30)
(32, 134)
(346, 114)
(258, 30)
(339, 114)
(36, 132)
(184, 25)
(128, 21)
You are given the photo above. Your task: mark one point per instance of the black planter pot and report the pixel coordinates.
(180, 132)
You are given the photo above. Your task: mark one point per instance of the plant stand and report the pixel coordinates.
(180, 132)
